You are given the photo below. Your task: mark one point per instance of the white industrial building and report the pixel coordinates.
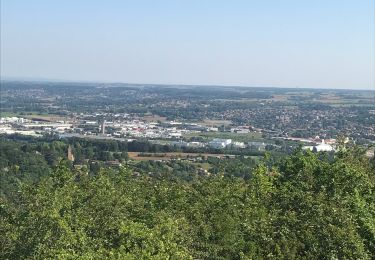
(239, 145)
(220, 143)
(323, 147)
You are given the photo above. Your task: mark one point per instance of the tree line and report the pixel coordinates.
(306, 206)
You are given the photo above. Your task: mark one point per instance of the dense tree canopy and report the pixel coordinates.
(309, 206)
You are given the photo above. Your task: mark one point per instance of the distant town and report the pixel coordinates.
(126, 128)
(227, 119)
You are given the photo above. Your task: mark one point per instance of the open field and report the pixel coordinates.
(216, 122)
(33, 115)
(8, 114)
(280, 97)
(359, 99)
(252, 136)
(154, 118)
(46, 117)
(167, 156)
(330, 98)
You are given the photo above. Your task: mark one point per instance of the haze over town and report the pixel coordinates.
(318, 44)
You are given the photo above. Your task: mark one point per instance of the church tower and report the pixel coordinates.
(70, 154)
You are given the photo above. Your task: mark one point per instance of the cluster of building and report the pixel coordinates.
(126, 125)
(123, 126)
(24, 126)
(287, 121)
(98, 127)
(140, 129)
(218, 143)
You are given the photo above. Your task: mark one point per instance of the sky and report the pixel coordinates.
(315, 44)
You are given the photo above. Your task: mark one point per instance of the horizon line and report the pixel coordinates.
(50, 80)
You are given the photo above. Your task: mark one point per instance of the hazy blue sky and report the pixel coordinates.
(311, 43)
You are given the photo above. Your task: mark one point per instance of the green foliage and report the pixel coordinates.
(19, 163)
(309, 206)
